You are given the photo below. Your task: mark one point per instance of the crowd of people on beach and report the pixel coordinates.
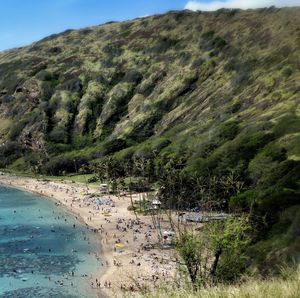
(97, 284)
(129, 237)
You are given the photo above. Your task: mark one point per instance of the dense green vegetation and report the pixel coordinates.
(288, 286)
(203, 106)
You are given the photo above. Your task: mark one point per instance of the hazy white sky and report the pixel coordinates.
(244, 4)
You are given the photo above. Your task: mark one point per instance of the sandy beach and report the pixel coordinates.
(128, 266)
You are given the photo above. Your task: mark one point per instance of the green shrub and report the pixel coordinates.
(59, 135)
(27, 119)
(92, 179)
(243, 201)
(287, 71)
(60, 165)
(228, 130)
(16, 129)
(9, 152)
(132, 76)
(44, 75)
(164, 44)
(113, 146)
(32, 158)
(288, 123)
(57, 148)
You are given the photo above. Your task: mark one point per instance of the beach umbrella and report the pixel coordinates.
(119, 245)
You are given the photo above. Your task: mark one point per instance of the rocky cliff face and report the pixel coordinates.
(184, 79)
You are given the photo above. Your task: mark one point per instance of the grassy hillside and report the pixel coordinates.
(207, 95)
(198, 80)
(287, 286)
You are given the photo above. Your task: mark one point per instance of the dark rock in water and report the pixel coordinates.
(33, 257)
(45, 265)
(37, 292)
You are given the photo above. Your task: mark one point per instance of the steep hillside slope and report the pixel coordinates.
(184, 81)
(209, 99)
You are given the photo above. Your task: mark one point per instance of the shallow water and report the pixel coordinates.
(40, 248)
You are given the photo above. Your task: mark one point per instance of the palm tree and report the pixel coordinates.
(128, 173)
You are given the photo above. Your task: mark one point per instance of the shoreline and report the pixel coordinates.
(126, 268)
(78, 217)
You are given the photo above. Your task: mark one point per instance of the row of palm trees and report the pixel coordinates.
(175, 187)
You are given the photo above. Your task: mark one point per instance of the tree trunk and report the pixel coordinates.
(193, 270)
(215, 263)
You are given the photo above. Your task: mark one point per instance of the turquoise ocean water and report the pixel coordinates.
(41, 253)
